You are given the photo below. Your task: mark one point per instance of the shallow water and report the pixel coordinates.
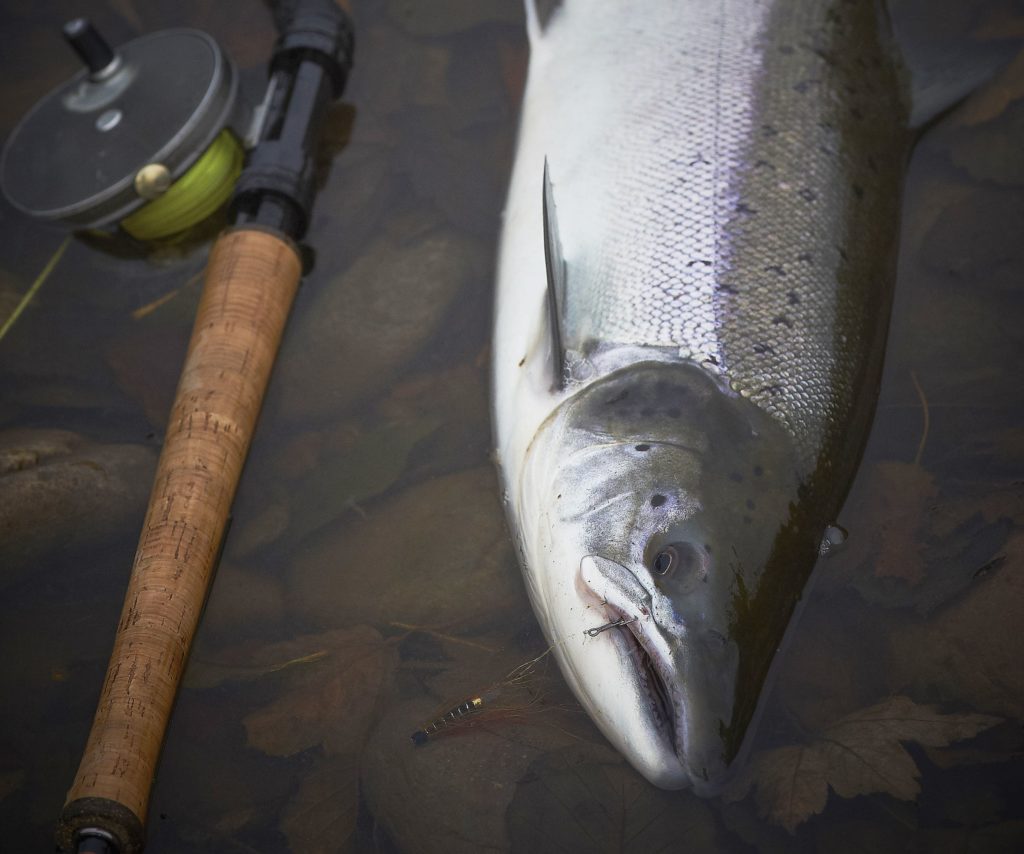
(368, 585)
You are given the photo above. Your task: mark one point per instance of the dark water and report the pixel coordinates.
(367, 583)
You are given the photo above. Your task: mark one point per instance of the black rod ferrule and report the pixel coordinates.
(309, 69)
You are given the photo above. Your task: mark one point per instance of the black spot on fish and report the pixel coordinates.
(776, 269)
(764, 164)
(707, 548)
(728, 289)
(744, 208)
(711, 360)
(522, 361)
(658, 500)
(858, 191)
(842, 253)
(642, 447)
(703, 261)
(758, 471)
(808, 195)
(783, 320)
(805, 257)
(803, 86)
(768, 130)
(771, 389)
(622, 395)
(786, 49)
(793, 297)
(750, 504)
(762, 349)
(856, 113)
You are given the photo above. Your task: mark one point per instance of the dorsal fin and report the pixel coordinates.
(555, 264)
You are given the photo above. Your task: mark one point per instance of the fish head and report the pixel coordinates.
(659, 496)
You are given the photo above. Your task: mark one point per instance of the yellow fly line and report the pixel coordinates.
(36, 285)
(194, 196)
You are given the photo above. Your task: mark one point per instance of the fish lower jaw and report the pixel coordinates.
(666, 708)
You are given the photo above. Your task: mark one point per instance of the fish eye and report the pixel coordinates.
(665, 560)
(677, 558)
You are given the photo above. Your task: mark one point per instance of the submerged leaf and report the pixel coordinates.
(321, 817)
(586, 798)
(969, 651)
(209, 674)
(861, 754)
(329, 701)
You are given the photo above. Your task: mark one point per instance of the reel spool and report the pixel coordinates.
(147, 138)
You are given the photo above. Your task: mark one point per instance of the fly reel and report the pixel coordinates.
(147, 138)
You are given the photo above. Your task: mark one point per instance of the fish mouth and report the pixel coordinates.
(648, 669)
(630, 627)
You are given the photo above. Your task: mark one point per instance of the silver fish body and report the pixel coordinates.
(725, 183)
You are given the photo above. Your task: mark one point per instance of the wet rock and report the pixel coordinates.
(350, 337)
(243, 602)
(445, 17)
(396, 71)
(147, 363)
(60, 494)
(361, 186)
(258, 530)
(435, 555)
(321, 476)
(462, 174)
(457, 397)
(973, 243)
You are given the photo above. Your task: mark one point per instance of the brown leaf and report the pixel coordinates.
(970, 650)
(330, 701)
(321, 817)
(858, 755)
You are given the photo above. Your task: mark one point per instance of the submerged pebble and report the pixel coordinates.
(446, 17)
(435, 555)
(61, 494)
(351, 336)
(243, 602)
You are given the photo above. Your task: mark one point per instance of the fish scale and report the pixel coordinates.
(728, 214)
(719, 208)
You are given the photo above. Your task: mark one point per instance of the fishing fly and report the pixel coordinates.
(487, 700)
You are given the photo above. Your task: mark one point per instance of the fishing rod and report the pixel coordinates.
(251, 278)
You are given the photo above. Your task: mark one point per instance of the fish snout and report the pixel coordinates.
(614, 585)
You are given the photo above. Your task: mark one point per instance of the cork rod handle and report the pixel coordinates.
(251, 280)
